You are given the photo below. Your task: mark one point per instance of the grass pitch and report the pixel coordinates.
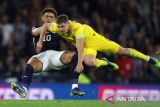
(73, 103)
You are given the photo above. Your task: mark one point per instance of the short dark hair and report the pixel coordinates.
(62, 19)
(49, 10)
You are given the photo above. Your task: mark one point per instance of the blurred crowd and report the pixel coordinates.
(131, 23)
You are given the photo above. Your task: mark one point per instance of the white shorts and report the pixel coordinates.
(50, 60)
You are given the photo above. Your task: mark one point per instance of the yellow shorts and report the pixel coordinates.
(106, 46)
(89, 51)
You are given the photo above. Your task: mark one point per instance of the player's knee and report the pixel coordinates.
(123, 51)
(36, 64)
(66, 57)
(33, 66)
(89, 61)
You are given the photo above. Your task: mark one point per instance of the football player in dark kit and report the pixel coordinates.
(48, 59)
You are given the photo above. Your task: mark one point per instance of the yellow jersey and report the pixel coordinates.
(91, 38)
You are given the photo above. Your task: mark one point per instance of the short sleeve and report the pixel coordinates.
(34, 27)
(78, 29)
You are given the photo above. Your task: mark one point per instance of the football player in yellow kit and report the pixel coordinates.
(88, 42)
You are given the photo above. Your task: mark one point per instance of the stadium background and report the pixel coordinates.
(131, 23)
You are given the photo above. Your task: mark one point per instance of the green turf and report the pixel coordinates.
(73, 103)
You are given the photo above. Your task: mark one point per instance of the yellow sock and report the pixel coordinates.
(136, 54)
(100, 62)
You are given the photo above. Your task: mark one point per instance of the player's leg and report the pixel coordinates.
(33, 65)
(113, 47)
(91, 60)
(36, 63)
(134, 53)
(69, 57)
(75, 90)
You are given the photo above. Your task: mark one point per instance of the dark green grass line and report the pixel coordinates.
(52, 103)
(73, 103)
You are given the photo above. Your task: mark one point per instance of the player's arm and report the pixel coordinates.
(80, 47)
(43, 31)
(52, 27)
(36, 31)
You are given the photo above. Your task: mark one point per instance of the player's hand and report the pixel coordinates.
(79, 68)
(39, 46)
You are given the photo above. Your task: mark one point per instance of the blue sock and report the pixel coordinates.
(27, 76)
(74, 74)
(85, 67)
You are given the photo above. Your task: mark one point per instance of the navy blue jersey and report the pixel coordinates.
(50, 42)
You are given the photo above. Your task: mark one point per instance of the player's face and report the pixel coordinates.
(48, 17)
(63, 27)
